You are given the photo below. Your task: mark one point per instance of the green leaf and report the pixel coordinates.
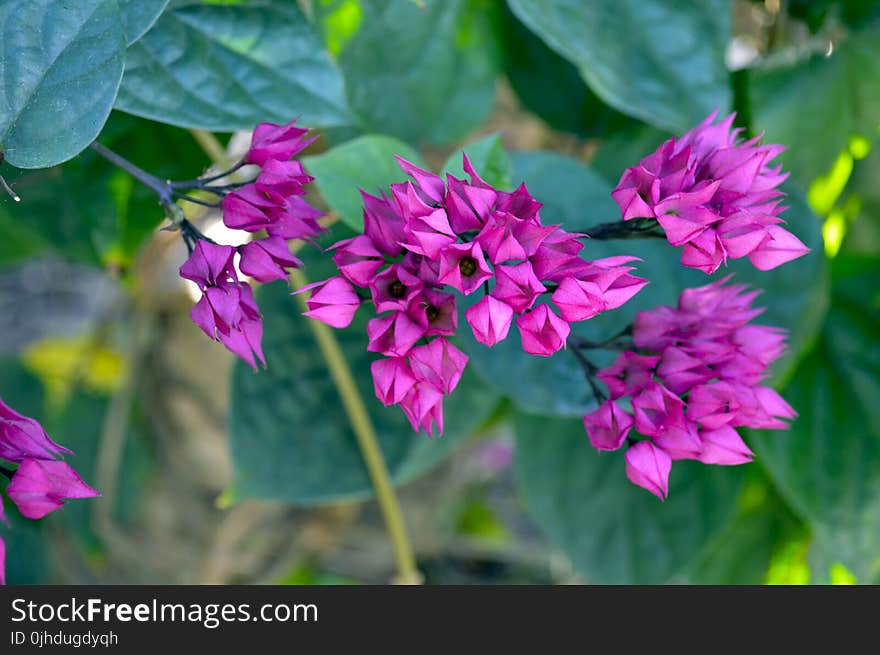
(612, 531)
(746, 548)
(230, 67)
(290, 437)
(833, 97)
(365, 163)
(659, 61)
(138, 16)
(577, 198)
(60, 69)
(828, 464)
(552, 87)
(421, 73)
(489, 159)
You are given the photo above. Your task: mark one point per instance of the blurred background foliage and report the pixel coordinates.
(212, 473)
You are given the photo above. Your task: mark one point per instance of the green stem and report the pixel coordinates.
(407, 573)
(355, 409)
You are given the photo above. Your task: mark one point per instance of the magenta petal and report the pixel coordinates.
(647, 466)
(392, 379)
(490, 320)
(39, 487)
(724, 446)
(543, 332)
(608, 426)
(780, 246)
(438, 363)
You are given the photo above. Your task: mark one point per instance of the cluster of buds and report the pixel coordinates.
(694, 377)
(273, 205)
(715, 195)
(41, 482)
(432, 237)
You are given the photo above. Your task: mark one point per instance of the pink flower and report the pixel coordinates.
(438, 363)
(393, 335)
(22, 437)
(272, 141)
(434, 312)
(517, 286)
(227, 311)
(334, 303)
(608, 425)
(578, 300)
(286, 178)
(358, 259)
(252, 210)
(714, 194)
(699, 377)
(463, 267)
(490, 320)
(648, 467)
(629, 374)
(542, 331)
(209, 264)
(423, 406)
(394, 289)
(267, 259)
(723, 446)
(41, 486)
(383, 225)
(392, 379)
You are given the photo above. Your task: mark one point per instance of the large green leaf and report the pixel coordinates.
(60, 68)
(612, 531)
(832, 97)
(657, 60)
(576, 197)
(421, 73)
(365, 163)
(828, 464)
(290, 437)
(552, 87)
(230, 67)
(138, 16)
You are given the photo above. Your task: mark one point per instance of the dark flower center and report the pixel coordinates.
(396, 289)
(467, 266)
(432, 313)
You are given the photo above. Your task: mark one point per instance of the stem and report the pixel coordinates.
(162, 188)
(637, 228)
(407, 573)
(590, 371)
(586, 344)
(355, 409)
(8, 189)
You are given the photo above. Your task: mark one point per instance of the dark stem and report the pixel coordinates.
(197, 201)
(590, 370)
(586, 344)
(162, 188)
(637, 228)
(201, 182)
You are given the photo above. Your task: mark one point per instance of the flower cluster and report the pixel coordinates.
(41, 483)
(273, 204)
(695, 378)
(431, 237)
(715, 195)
